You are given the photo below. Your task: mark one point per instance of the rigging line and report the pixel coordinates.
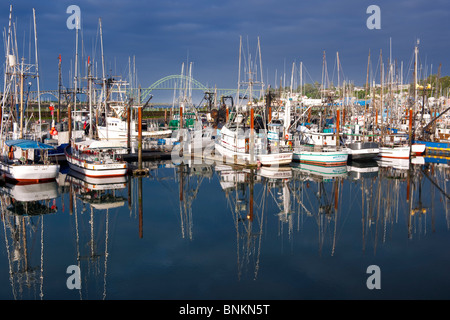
(306, 69)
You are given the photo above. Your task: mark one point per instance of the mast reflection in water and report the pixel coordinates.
(199, 231)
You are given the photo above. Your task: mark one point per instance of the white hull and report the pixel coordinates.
(122, 135)
(96, 170)
(270, 159)
(395, 152)
(365, 153)
(418, 149)
(322, 158)
(29, 173)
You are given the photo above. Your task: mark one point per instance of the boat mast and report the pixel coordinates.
(90, 97)
(77, 22)
(103, 77)
(416, 51)
(21, 101)
(7, 65)
(37, 72)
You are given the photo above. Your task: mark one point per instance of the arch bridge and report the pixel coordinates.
(181, 83)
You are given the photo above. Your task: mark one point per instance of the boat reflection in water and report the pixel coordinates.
(248, 215)
(317, 193)
(91, 200)
(23, 208)
(190, 178)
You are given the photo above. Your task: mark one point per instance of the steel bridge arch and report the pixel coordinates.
(195, 85)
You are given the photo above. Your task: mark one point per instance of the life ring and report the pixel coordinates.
(287, 137)
(53, 131)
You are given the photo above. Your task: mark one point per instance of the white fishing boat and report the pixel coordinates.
(360, 146)
(26, 161)
(395, 152)
(239, 138)
(232, 144)
(321, 157)
(24, 158)
(318, 148)
(97, 159)
(397, 147)
(115, 125)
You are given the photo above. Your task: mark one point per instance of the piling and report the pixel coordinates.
(129, 128)
(140, 138)
(410, 126)
(252, 136)
(140, 171)
(69, 113)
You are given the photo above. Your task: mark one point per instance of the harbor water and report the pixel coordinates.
(214, 232)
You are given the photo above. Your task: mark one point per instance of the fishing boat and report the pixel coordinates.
(360, 146)
(318, 148)
(26, 161)
(396, 146)
(232, 144)
(116, 125)
(240, 138)
(95, 158)
(24, 157)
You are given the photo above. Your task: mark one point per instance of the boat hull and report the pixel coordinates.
(29, 173)
(96, 170)
(270, 159)
(395, 152)
(362, 151)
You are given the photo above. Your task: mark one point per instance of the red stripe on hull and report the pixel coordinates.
(395, 157)
(28, 181)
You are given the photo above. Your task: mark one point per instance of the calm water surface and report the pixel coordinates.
(213, 232)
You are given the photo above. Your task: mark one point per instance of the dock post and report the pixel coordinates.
(128, 128)
(140, 138)
(140, 171)
(337, 126)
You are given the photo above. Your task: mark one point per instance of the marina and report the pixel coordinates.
(111, 190)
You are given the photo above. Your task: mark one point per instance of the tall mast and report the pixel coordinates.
(21, 100)
(416, 51)
(77, 24)
(103, 77)
(381, 88)
(7, 65)
(337, 58)
(239, 74)
(37, 70)
(90, 97)
(301, 78)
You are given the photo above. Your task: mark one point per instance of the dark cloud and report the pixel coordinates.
(161, 35)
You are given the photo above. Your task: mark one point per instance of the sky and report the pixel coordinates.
(159, 36)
